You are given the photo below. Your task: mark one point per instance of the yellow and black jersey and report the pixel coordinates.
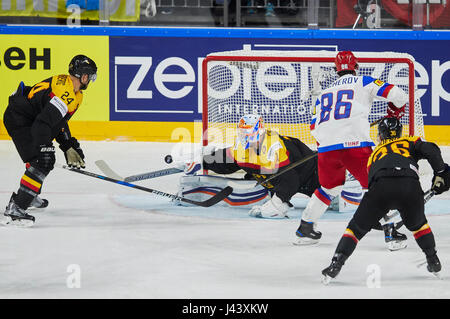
(268, 158)
(46, 106)
(59, 92)
(400, 156)
(274, 153)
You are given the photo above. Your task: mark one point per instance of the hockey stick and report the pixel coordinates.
(289, 167)
(261, 182)
(154, 174)
(101, 164)
(207, 203)
(104, 167)
(426, 197)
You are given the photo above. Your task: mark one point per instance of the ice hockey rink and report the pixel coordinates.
(102, 240)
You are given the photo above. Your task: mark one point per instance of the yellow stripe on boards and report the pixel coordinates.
(188, 132)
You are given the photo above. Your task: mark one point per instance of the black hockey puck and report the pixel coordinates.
(168, 159)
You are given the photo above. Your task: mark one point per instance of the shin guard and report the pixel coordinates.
(30, 186)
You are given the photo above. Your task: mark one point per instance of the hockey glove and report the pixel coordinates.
(73, 153)
(274, 208)
(45, 159)
(394, 111)
(441, 181)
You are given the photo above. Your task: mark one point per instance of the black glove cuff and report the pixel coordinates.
(440, 172)
(72, 142)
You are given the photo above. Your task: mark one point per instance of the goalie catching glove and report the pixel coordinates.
(73, 153)
(394, 111)
(441, 181)
(274, 208)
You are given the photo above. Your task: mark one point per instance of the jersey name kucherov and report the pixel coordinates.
(342, 111)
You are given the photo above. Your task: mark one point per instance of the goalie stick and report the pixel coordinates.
(207, 203)
(108, 171)
(154, 174)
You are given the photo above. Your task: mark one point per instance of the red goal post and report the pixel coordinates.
(282, 85)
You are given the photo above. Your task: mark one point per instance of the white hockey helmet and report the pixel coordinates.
(250, 129)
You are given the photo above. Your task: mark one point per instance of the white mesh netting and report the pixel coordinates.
(283, 89)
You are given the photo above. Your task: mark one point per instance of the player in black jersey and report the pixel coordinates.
(34, 117)
(394, 184)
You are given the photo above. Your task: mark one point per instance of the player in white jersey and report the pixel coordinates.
(342, 131)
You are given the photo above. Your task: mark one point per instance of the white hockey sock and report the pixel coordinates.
(314, 210)
(318, 204)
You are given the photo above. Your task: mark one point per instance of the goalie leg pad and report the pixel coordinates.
(351, 195)
(202, 187)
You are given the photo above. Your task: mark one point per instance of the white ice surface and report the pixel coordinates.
(130, 244)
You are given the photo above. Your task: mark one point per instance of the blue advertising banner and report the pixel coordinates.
(159, 78)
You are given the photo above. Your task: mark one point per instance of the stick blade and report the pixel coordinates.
(216, 198)
(104, 167)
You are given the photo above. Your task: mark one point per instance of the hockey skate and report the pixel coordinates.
(306, 234)
(394, 240)
(38, 202)
(16, 216)
(434, 265)
(333, 270)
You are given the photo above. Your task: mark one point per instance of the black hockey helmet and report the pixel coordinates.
(389, 127)
(81, 64)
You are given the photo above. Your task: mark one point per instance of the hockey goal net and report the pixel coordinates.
(282, 87)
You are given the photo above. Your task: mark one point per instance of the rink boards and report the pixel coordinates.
(149, 79)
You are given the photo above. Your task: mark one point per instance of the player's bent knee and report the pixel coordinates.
(335, 191)
(414, 227)
(37, 171)
(358, 230)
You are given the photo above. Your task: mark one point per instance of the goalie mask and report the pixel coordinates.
(250, 129)
(346, 61)
(389, 127)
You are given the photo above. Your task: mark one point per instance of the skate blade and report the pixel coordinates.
(23, 223)
(34, 208)
(396, 245)
(326, 280)
(305, 241)
(438, 275)
(423, 263)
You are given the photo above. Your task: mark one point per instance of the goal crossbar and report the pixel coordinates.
(253, 57)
